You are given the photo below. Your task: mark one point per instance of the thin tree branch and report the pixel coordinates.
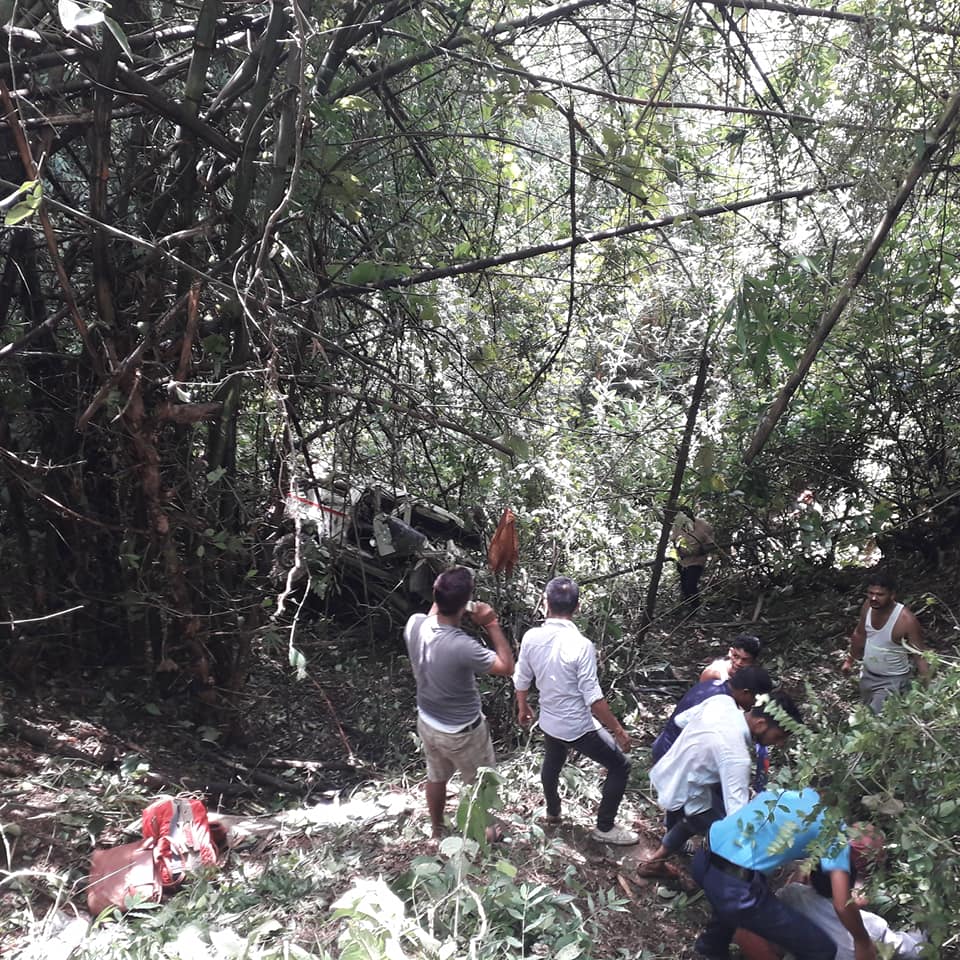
(679, 470)
(558, 246)
(123, 235)
(829, 13)
(932, 143)
(463, 40)
(26, 158)
(418, 415)
(175, 112)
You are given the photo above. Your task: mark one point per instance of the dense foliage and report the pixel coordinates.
(453, 250)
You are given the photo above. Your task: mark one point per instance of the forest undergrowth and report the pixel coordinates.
(333, 856)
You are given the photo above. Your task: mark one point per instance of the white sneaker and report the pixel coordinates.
(618, 835)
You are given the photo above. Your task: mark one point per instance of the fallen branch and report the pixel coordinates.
(309, 765)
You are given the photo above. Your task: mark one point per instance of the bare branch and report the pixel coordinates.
(418, 415)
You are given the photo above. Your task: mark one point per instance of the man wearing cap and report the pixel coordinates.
(446, 661)
(743, 686)
(745, 847)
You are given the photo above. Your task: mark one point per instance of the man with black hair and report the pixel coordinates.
(744, 651)
(749, 844)
(446, 661)
(887, 638)
(713, 749)
(814, 900)
(573, 711)
(744, 686)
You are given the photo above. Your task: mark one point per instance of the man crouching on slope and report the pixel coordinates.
(446, 661)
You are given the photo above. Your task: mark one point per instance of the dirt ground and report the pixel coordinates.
(73, 747)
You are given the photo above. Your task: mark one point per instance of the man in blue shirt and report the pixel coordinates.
(748, 845)
(743, 686)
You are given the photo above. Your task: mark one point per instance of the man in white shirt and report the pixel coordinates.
(563, 664)
(713, 755)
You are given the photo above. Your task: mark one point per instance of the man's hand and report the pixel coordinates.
(524, 715)
(846, 668)
(482, 614)
(623, 740)
(864, 950)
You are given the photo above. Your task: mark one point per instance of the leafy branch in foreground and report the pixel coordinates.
(901, 770)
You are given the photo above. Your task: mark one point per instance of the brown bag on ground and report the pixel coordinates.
(176, 841)
(121, 875)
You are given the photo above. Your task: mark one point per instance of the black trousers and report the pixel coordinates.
(598, 747)
(690, 582)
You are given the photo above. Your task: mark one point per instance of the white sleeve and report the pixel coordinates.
(734, 761)
(682, 719)
(587, 682)
(523, 674)
(906, 944)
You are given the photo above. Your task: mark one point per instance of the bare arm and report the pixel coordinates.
(524, 713)
(601, 710)
(710, 672)
(849, 914)
(485, 616)
(858, 640)
(909, 634)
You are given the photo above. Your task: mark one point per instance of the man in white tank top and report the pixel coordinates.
(887, 638)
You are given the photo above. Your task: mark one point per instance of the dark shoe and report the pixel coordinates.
(700, 949)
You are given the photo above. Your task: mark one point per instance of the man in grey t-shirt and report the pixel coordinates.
(446, 662)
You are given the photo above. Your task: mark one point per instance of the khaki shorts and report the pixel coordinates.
(448, 752)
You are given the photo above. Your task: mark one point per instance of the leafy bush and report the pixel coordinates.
(469, 901)
(901, 770)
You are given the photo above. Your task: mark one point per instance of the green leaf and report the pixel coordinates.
(535, 99)
(216, 345)
(354, 103)
(299, 662)
(451, 846)
(18, 213)
(214, 476)
(366, 272)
